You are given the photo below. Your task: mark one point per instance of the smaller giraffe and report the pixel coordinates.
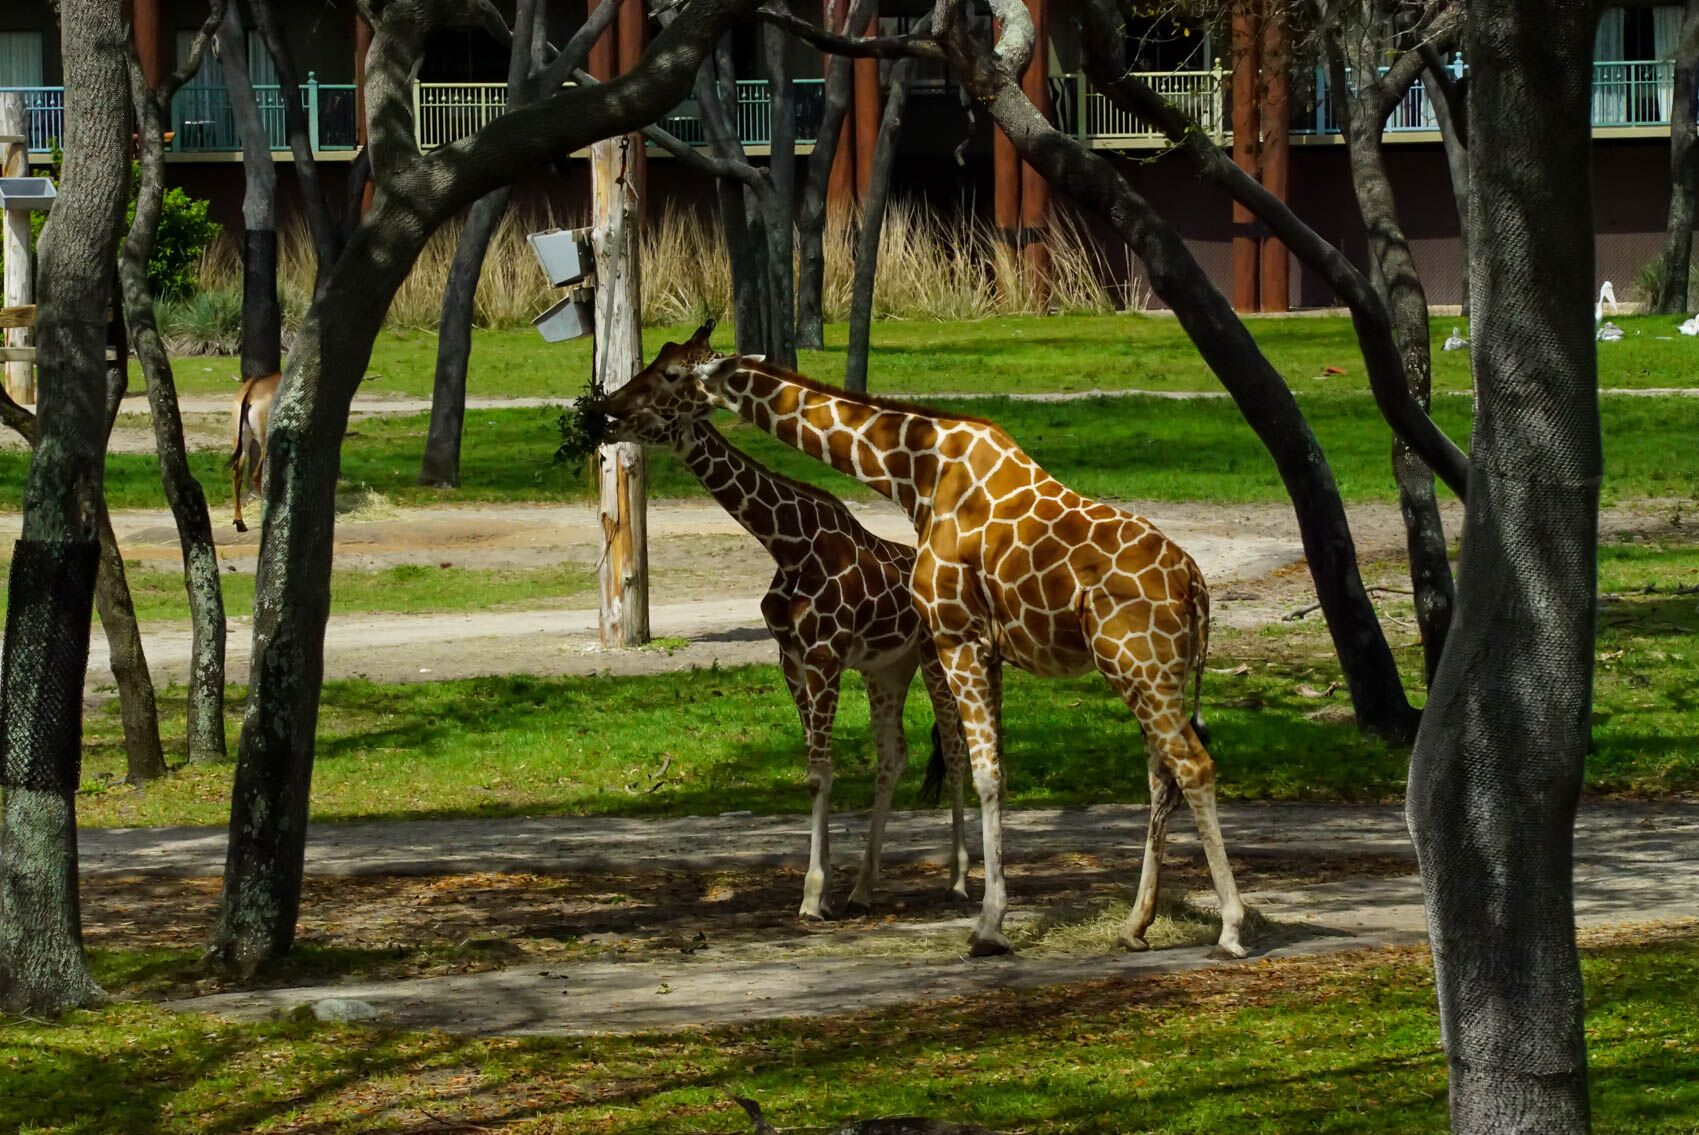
(839, 601)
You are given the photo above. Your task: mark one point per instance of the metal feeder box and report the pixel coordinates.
(570, 318)
(28, 194)
(564, 254)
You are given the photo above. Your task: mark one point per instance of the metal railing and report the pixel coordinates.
(1625, 94)
(447, 112)
(202, 121)
(1089, 115)
(44, 116)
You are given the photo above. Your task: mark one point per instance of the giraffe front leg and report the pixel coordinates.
(949, 725)
(887, 691)
(814, 685)
(974, 681)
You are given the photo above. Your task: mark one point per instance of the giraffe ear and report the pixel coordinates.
(753, 359)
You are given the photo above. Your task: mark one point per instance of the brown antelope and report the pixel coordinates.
(250, 415)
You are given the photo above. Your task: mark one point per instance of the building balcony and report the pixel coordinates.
(1629, 98)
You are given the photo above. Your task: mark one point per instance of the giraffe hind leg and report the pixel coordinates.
(947, 727)
(1164, 795)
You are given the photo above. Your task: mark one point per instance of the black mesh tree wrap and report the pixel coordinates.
(51, 600)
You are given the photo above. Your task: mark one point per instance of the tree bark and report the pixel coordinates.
(873, 226)
(416, 193)
(781, 207)
(441, 463)
(1362, 116)
(1228, 349)
(138, 708)
(1684, 170)
(1497, 767)
(327, 243)
(811, 224)
(42, 968)
(262, 315)
(746, 245)
(183, 492)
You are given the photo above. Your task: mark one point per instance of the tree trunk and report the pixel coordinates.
(873, 226)
(138, 708)
(182, 491)
(1228, 349)
(327, 243)
(781, 209)
(1497, 767)
(1684, 170)
(268, 809)
(54, 563)
(811, 224)
(262, 316)
(441, 464)
(1407, 305)
(746, 245)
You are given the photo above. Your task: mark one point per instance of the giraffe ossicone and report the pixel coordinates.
(1013, 566)
(839, 601)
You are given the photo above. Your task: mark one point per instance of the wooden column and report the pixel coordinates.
(1245, 46)
(20, 277)
(1035, 191)
(1276, 65)
(604, 56)
(362, 45)
(624, 570)
(632, 38)
(867, 113)
(840, 187)
(1005, 188)
(148, 32)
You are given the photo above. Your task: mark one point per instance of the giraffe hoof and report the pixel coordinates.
(957, 895)
(1134, 944)
(821, 915)
(980, 946)
(1226, 953)
(240, 527)
(857, 909)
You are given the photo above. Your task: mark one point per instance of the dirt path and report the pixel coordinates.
(709, 578)
(1634, 864)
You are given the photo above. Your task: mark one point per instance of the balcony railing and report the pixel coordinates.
(447, 112)
(1625, 95)
(202, 120)
(44, 116)
(1087, 114)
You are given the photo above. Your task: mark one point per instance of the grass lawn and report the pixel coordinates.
(1341, 1044)
(994, 356)
(590, 745)
(1116, 448)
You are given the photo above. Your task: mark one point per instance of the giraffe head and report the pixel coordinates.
(662, 400)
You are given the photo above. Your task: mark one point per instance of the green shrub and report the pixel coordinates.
(185, 230)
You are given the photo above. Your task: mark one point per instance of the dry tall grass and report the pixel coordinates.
(940, 266)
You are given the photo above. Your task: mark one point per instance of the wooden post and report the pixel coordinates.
(1245, 47)
(631, 39)
(20, 274)
(1035, 191)
(1276, 114)
(867, 113)
(624, 566)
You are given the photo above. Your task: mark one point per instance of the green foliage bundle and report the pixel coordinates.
(186, 228)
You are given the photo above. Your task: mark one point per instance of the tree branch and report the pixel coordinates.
(571, 57)
(1101, 37)
(913, 45)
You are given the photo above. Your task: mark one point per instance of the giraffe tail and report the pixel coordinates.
(1200, 652)
(932, 788)
(241, 425)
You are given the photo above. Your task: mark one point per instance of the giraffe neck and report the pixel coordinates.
(889, 449)
(766, 504)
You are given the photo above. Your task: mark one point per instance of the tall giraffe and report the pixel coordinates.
(1015, 566)
(839, 601)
